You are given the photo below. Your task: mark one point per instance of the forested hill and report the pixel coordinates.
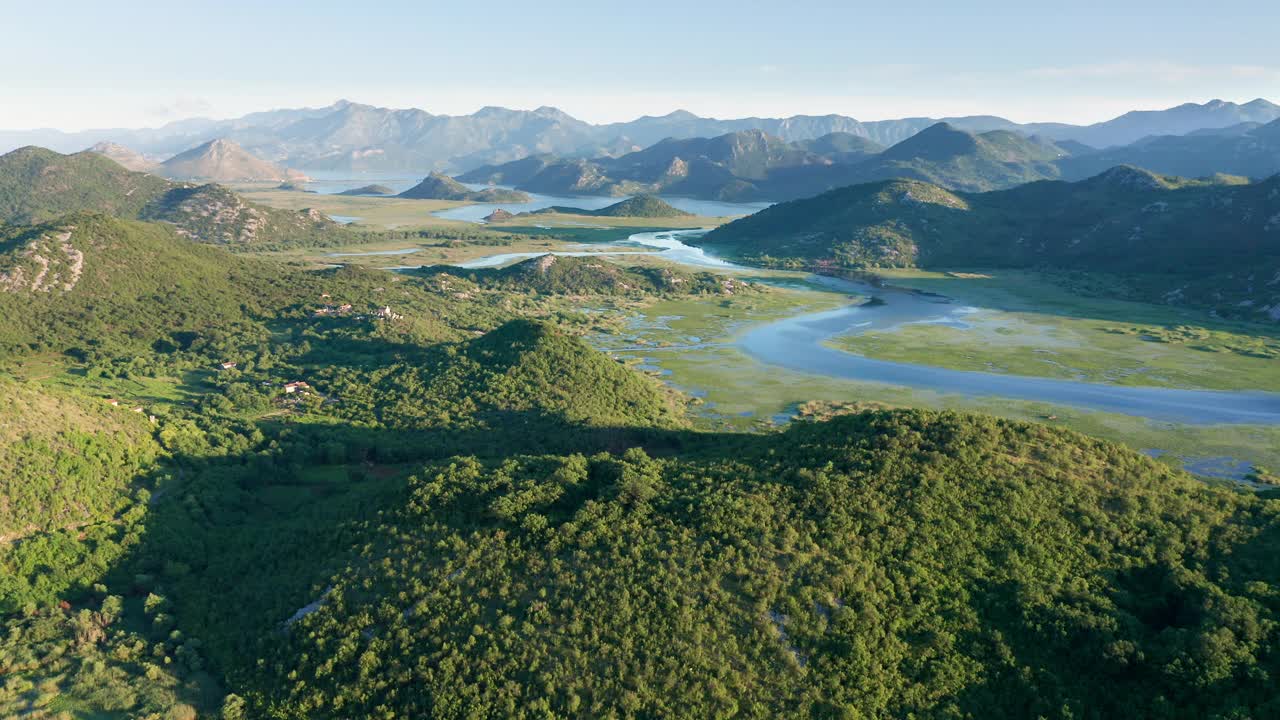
(236, 487)
(883, 565)
(38, 185)
(568, 275)
(1125, 220)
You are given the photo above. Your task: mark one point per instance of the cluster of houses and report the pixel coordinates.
(113, 402)
(383, 313)
(289, 387)
(342, 309)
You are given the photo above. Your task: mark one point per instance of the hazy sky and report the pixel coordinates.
(74, 64)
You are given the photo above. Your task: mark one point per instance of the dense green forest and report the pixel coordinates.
(568, 275)
(240, 488)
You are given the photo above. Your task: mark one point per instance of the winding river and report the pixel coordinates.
(799, 343)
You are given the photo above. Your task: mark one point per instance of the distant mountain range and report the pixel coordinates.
(1202, 242)
(753, 165)
(1247, 149)
(353, 137)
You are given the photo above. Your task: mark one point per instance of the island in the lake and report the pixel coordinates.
(438, 186)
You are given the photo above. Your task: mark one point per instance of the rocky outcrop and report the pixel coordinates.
(48, 263)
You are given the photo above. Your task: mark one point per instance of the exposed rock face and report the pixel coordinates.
(48, 263)
(498, 215)
(213, 214)
(126, 157)
(679, 168)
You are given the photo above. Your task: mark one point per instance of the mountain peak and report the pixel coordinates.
(1128, 176)
(223, 160)
(125, 156)
(938, 142)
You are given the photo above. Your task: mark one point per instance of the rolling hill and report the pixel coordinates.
(567, 275)
(438, 186)
(840, 568)
(86, 273)
(1210, 244)
(469, 512)
(37, 185)
(950, 157)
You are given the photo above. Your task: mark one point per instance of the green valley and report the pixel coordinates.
(337, 411)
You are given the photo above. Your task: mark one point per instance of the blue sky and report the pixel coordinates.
(73, 64)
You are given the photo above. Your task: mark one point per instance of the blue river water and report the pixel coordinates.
(798, 343)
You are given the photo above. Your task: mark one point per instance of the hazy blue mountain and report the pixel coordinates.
(355, 137)
(1180, 120)
(516, 172)
(847, 146)
(223, 161)
(753, 165)
(1246, 149)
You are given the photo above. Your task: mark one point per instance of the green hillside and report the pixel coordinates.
(882, 565)
(955, 159)
(1208, 243)
(525, 377)
(38, 185)
(73, 461)
(216, 215)
(353, 493)
(567, 275)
